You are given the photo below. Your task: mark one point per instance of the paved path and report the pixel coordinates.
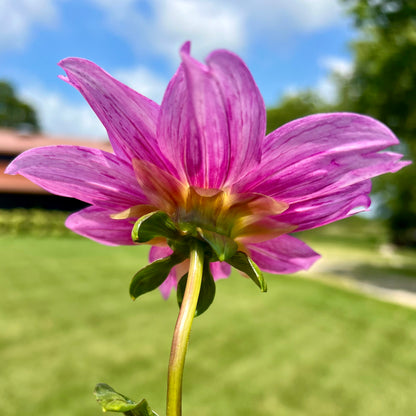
(395, 289)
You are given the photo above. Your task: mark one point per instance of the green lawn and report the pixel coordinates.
(303, 348)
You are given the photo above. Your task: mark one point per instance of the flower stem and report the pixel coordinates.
(182, 332)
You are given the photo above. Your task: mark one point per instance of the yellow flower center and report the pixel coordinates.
(245, 218)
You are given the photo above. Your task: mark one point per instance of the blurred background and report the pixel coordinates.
(336, 340)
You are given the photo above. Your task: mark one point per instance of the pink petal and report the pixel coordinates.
(325, 209)
(130, 118)
(170, 283)
(220, 270)
(212, 120)
(158, 252)
(284, 254)
(161, 189)
(255, 230)
(320, 154)
(96, 224)
(245, 109)
(193, 128)
(91, 175)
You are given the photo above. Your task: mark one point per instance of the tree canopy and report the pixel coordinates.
(382, 85)
(294, 106)
(15, 113)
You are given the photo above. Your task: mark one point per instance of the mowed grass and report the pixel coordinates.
(303, 348)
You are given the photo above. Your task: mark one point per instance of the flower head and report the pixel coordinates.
(200, 168)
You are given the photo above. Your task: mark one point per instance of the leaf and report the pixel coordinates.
(224, 247)
(244, 263)
(206, 294)
(112, 401)
(153, 275)
(180, 290)
(143, 409)
(152, 225)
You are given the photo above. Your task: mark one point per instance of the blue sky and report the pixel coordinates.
(287, 44)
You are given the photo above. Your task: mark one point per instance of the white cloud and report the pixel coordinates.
(168, 23)
(19, 17)
(164, 25)
(327, 89)
(292, 90)
(298, 15)
(143, 81)
(60, 117)
(336, 66)
(209, 25)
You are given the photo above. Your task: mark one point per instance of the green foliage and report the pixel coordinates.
(383, 14)
(111, 401)
(181, 239)
(153, 275)
(244, 264)
(224, 247)
(153, 225)
(383, 82)
(295, 106)
(398, 193)
(383, 85)
(15, 113)
(33, 222)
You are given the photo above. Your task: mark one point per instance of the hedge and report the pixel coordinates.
(36, 222)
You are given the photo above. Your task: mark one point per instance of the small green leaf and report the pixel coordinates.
(206, 294)
(180, 290)
(154, 224)
(188, 228)
(153, 275)
(244, 263)
(111, 401)
(143, 409)
(224, 247)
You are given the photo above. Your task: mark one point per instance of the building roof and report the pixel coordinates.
(13, 142)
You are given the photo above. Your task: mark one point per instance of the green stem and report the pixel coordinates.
(182, 332)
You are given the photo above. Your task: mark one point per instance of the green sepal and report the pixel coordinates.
(206, 294)
(244, 263)
(152, 225)
(111, 401)
(224, 247)
(153, 275)
(187, 228)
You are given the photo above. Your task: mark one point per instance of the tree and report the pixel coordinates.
(383, 85)
(295, 106)
(13, 112)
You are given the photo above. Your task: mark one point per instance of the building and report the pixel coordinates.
(17, 191)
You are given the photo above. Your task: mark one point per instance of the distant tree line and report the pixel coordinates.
(15, 113)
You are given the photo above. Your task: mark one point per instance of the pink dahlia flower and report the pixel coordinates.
(202, 159)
